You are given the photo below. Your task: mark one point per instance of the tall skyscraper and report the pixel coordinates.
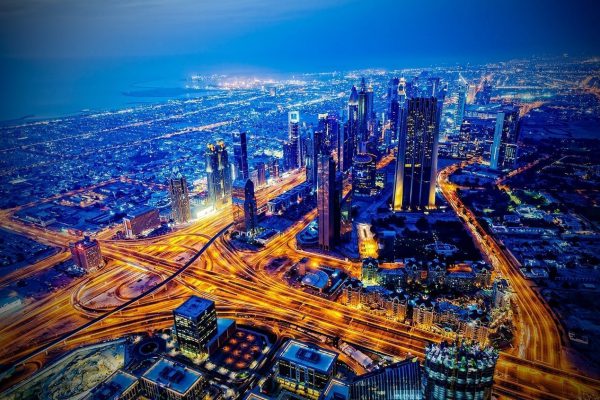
(460, 107)
(348, 142)
(363, 175)
(400, 380)
(195, 324)
(294, 138)
(218, 174)
(87, 254)
(416, 161)
(459, 371)
(329, 198)
(262, 173)
(314, 148)
(250, 209)
(393, 111)
(180, 200)
(365, 114)
(503, 153)
(240, 155)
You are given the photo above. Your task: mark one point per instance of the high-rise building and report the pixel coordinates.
(314, 149)
(87, 254)
(460, 106)
(294, 139)
(363, 175)
(348, 140)
(503, 153)
(180, 200)
(261, 170)
(459, 371)
(218, 174)
(365, 114)
(304, 369)
(416, 161)
(167, 379)
(368, 271)
(329, 198)
(274, 169)
(244, 208)
(240, 155)
(195, 325)
(401, 380)
(140, 220)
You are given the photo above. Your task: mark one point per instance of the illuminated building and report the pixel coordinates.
(218, 174)
(243, 203)
(180, 200)
(195, 324)
(365, 114)
(140, 220)
(416, 161)
(294, 139)
(170, 380)
(423, 315)
(369, 269)
(349, 141)
(261, 170)
(240, 155)
(314, 149)
(119, 386)
(249, 207)
(87, 254)
(329, 198)
(400, 380)
(274, 169)
(459, 371)
(501, 293)
(363, 175)
(304, 369)
(503, 153)
(460, 106)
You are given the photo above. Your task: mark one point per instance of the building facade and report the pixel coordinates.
(180, 200)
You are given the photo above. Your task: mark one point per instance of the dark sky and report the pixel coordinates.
(59, 56)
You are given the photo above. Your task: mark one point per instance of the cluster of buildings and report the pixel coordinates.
(303, 370)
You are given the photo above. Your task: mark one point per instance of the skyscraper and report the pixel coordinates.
(87, 254)
(262, 173)
(180, 200)
(329, 194)
(365, 114)
(503, 153)
(218, 174)
(314, 148)
(348, 141)
(460, 107)
(363, 175)
(240, 155)
(401, 380)
(195, 324)
(459, 371)
(294, 139)
(249, 208)
(416, 161)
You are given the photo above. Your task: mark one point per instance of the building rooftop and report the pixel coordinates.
(308, 355)
(173, 375)
(113, 387)
(194, 306)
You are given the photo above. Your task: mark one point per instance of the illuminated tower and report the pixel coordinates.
(240, 155)
(329, 193)
(86, 254)
(218, 174)
(363, 175)
(348, 145)
(460, 107)
(294, 139)
(180, 200)
(416, 161)
(503, 153)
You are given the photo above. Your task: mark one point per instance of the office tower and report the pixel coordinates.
(328, 202)
(167, 379)
(363, 175)
(140, 220)
(87, 254)
(250, 209)
(503, 153)
(459, 371)
(416, 161)
(288, 156)
(240, 155)
(329, 124)
(294, 139)
(484, 96)
(274, 169)
(304, 369)
(348, 141)
(314, 149)
(460, 106)
(401, 380)
(180, 200)
(261, 170)
(195, 325)
(365, 108)
(218, 174)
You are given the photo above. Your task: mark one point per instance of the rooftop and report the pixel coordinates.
(308, 355)
(173, 375)
(112, 388)
(194, 306)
